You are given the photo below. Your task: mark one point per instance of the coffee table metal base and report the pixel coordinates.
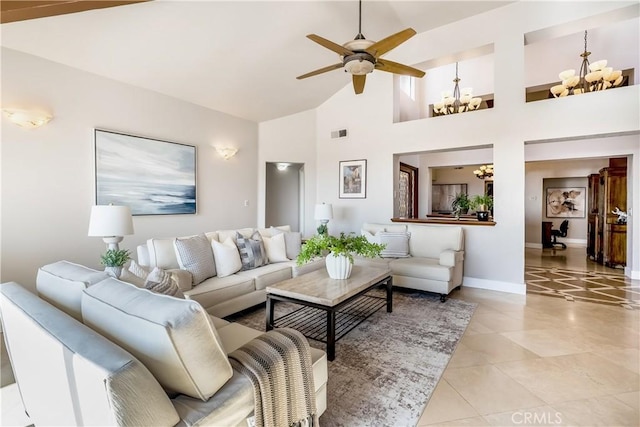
(329, 324)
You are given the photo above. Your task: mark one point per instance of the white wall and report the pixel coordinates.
(48, 173)
(494, 255)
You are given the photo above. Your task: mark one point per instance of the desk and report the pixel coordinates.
(546, 234)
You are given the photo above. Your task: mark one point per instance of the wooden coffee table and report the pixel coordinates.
(330, 308)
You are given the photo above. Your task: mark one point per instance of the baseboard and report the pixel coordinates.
(571, 243)
(494, 285)
(634, 275)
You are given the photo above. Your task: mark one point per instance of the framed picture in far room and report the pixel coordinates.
(150, 176)
(353, 179)
(566, 202)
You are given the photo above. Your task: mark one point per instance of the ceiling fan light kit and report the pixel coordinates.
(360, 56)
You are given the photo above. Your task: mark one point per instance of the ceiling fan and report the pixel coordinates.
(361, 56)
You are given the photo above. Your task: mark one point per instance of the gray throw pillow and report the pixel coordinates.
(196, 256)
(252, 251)
(293, 243)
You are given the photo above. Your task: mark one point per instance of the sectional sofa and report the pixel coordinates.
(116, 354)
(423, 257)
(229, 287)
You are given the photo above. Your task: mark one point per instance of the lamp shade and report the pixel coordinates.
(324, 212)
(110, 220)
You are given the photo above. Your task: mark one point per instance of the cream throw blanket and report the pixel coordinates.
(278, 363)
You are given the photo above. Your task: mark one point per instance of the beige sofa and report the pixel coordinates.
(430, 258)
(115, 354)
(223, 296)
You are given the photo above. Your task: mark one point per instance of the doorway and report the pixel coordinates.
(408, 191)
(284, 195)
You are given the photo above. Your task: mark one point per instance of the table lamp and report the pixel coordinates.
(323, 213)
(111, 223)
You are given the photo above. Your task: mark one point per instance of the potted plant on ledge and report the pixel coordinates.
(339, 252)
(460, 204)
(482, 204)
(113, 261)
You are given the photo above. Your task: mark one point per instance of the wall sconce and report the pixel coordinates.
(27, 119)
(226, 152)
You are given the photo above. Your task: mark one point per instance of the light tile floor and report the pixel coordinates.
(542, 361)
(524, 361)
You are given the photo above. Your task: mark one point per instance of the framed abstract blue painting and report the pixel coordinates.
(151, 176)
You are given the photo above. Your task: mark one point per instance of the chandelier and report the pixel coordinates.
(458, 102)
(485, 171)
(593, 77)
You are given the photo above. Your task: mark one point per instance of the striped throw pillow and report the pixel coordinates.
(252, 252)
(161, 282)
(397, 244)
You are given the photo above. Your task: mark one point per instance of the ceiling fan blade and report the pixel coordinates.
(386, 44)
(320, 71)
(358, 83)
(394, 67)
(341, 50)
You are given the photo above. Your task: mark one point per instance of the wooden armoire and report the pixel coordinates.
(606, 238)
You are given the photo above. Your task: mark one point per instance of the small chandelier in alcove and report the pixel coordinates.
(458, 102)
(592, 77)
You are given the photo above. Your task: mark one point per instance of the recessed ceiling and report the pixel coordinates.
(237, 57)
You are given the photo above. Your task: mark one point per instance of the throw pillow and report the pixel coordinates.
(135, 274)
(161, 282)
(252, 252)
(397, 244)
(194, 255)
(276, 248)
(371, 238)
(227, 257)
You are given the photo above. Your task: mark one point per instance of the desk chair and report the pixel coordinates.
(561, 232)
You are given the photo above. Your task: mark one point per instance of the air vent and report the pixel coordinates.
(341, 133)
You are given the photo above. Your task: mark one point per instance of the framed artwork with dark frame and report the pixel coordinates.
(566, 202)
(353, 179)
(150, 176)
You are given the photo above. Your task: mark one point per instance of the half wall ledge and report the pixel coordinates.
(451, 221)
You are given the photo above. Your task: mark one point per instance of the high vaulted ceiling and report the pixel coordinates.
(238, 57)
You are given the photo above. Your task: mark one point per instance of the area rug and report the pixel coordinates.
(386, 369)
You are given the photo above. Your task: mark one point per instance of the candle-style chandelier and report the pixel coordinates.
(458, 102)
(485, 171)
(592, 77)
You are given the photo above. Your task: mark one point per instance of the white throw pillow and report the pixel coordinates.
(292, 240)
(397, 244)
(227, 257)
(276, 248)
(371, 238)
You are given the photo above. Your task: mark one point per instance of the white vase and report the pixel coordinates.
(114, 271)
(338, 266)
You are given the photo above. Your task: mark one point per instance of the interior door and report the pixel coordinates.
(408, 191)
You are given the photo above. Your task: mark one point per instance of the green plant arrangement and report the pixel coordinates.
(322, 229)
(115, 257)
(481, 203)
(345, 244)
(461, 203)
